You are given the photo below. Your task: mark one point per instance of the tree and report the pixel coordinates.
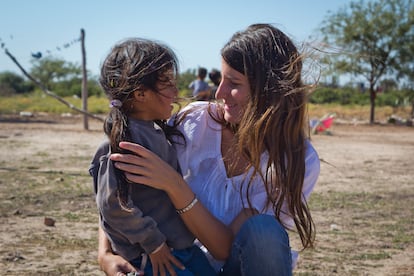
(370, 36)
(73, 87)
(388, 85)
(51, 70)
(406, 60)
(62, 77)
(184, 79)
(11, 83)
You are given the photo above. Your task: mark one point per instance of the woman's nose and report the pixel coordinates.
(220, 92)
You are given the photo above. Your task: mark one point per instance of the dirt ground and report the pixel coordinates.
(363, 204)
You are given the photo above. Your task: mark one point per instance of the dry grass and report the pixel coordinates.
(362, 205)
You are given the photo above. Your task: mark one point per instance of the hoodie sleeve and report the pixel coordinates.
(131, 225)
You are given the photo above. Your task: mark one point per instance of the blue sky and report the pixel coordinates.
(195, 30)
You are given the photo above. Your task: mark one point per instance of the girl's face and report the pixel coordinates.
(162, 103)
(234, 90)
(158, 105)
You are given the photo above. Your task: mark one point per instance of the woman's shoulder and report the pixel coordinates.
(197, 106)
(195, 120)
(197, 111)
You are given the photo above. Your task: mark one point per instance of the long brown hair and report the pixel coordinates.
(274, 119)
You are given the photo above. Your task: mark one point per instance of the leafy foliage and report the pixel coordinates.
(50, 70)
(351, 96)
(373, 38)
(62, 77)
(184, 79)
(11, 83)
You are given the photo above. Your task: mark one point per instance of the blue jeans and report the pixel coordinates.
(194, 260)
(261, 247)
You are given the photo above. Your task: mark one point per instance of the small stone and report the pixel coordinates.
(335, 227)
(49, 222)
(17, 212)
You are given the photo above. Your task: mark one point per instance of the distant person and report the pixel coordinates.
(215, 77)
(140, 222)
(201, 89)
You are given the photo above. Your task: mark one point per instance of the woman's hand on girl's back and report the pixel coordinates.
(145, 167)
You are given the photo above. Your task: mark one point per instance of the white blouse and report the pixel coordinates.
(203, 169)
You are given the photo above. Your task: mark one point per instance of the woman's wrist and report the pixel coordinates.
(188, 207)
(180, 194)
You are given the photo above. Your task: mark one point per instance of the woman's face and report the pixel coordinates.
(234, 91)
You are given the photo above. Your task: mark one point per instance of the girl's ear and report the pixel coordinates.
(140, 95)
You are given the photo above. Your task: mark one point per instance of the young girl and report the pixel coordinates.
(138, 77)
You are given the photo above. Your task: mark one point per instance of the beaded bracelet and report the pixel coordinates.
(188, 207)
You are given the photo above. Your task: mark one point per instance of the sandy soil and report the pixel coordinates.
(363, 205)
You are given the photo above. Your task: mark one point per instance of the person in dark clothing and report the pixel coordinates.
(215, 77)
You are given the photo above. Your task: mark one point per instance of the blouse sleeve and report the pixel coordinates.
(312, 170)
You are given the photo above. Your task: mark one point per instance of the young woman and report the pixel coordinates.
(247, 162)
(142, 225)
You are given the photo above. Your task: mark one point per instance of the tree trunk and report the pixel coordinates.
(372, 100)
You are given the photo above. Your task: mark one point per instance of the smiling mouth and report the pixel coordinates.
(229, 106)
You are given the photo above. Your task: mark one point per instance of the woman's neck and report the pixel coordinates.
(233, 160)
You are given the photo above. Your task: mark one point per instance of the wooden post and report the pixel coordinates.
(84, 82)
